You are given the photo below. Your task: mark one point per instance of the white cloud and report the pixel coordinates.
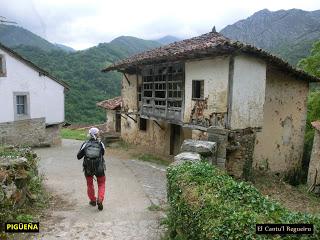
(84, 23)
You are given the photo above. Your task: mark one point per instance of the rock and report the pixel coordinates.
(3, 175)
(7, 162)
(9, 190)
(205, 148)
(187, 156)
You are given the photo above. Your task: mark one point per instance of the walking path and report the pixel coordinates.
(131, 187)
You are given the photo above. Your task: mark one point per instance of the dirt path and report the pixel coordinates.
(131, 187)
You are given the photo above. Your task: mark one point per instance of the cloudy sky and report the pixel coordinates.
(85, 23)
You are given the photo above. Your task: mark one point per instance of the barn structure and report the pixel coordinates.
(252, 103)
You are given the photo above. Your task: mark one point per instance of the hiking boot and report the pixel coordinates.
(93, 203)
(100, 206)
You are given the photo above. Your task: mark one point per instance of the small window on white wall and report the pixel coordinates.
(3, 72)
(197, 89)
(21, 106)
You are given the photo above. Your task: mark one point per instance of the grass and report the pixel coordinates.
(153, 208)
(151, 158)
(67, 133)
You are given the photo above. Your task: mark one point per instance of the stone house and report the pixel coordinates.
(252, 103)
(113, 113)
(32, 102)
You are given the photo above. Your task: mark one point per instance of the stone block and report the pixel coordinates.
(204, 148)
(186, 156)
(221, 163)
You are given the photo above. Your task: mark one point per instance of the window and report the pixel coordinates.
(143, 124)
(21, 105)
(162, 91)
(197, 89)
(21, 101)
(2, 66)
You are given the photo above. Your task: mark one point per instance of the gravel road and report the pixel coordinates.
(131, 187)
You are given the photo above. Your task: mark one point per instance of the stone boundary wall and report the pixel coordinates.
(234, 150)
(240, 153)
(31, 132)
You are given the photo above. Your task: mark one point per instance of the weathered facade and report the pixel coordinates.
(32, 102)
(250, 102)
(313, 180)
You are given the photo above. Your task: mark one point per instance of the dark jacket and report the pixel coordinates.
(92, 167)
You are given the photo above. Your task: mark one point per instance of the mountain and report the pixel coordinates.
(133, 44)
(64, 47)
(82, 71)
(13, 36)
(168, 39)
(286, 33)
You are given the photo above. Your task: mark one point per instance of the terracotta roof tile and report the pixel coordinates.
(111, 104)
(206, 45)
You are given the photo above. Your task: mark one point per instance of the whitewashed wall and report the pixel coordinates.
(215, 74)
(248, 94)
(46, 95)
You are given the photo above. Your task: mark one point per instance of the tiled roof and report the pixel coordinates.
(111, 104)
(206, 45)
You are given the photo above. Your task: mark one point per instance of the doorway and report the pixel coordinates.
(175, 139)
(118, 122)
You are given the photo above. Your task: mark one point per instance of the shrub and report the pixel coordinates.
(205, 203)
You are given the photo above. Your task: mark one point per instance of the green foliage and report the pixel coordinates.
(37, 199)
(153, 208)
(82, 71)
(24, 218)
(77, 134)
(205, 203)
(311, 64)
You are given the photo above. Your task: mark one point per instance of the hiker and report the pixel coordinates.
(94, 165)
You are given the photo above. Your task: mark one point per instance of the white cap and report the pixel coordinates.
(93, 131)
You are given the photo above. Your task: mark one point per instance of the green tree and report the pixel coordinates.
(311, 64)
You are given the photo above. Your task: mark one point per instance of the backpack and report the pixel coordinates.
(93, 150)
(93, 163)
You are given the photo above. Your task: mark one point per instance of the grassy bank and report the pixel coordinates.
(76, 134)
(205, 203)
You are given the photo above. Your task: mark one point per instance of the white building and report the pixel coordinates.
(32, 102)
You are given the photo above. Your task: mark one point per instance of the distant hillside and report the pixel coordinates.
(287, 33)
(82, 70)
(65, 48)
(168, 39)
(13, 36)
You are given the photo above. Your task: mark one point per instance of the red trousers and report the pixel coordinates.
(101, 188)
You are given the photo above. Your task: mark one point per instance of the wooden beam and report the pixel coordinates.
(131, 118)
(127, 78)
(158, 125)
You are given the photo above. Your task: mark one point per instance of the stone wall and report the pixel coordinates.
(240, 153)
(220, 136)
(234, 150)
(53, 137)
(31, 132)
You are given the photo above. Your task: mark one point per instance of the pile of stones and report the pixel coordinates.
(196, 150)
(17, 167)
